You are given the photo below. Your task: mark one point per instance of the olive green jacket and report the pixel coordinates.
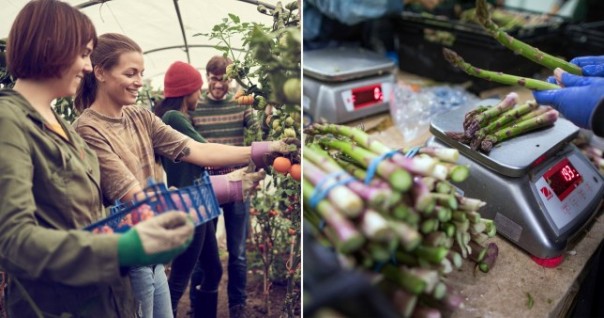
(49, 188)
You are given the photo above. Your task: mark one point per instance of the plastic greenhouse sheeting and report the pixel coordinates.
(154, 25)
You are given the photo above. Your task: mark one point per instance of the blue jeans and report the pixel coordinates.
(150, 288)
(236, 218)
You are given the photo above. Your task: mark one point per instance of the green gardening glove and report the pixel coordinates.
(156, 240)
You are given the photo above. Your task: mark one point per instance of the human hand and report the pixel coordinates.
(156, 240)
(590, 65)
(264, 152)
(234, 186)
(577, 99)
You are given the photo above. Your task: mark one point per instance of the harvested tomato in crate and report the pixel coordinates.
(198, 201)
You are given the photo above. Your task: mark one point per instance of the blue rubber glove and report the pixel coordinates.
(578, 98)
(590, 65)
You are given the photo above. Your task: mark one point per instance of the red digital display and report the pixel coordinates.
(367, 95)
(563, 178)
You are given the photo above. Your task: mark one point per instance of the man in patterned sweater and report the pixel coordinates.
(218, 118)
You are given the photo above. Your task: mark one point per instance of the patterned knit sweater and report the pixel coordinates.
(222, 122)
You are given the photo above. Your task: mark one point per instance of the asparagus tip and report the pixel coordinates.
(452, 57)
(482, 11)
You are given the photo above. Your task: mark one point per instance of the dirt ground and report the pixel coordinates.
(255, 306)
(255, 303)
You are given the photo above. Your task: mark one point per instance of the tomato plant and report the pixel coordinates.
(269, 70)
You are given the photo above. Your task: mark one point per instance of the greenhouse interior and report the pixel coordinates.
(301, 158)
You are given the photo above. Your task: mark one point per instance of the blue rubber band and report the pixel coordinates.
(378, 266)
(393, 259)
(412, 152)
(321, 191)
(375, 162)
(327, 178)
(315, 199)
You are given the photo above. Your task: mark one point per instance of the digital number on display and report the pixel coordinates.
(367, 96)
(563, 178)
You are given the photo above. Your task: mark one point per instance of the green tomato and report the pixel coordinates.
(289, 132)
(276, 124)
(292, 6)
(292, 90)
(231, 71)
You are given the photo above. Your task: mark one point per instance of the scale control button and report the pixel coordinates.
(547, 193)
(566, 209)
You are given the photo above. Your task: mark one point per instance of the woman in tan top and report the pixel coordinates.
(129, 140)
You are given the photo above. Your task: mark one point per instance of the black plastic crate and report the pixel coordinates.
(421, 40)
(584, 39)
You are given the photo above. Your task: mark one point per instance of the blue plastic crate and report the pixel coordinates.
(198, 200)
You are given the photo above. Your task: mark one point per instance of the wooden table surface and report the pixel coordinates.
(506, 289)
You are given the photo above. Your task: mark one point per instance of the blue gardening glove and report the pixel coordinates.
(578, 98)
(590, 65)
(156, 240)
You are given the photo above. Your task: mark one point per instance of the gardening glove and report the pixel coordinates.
(264, 152)
(579, 99)
(234, 186)
(156, 240)
(590, 65)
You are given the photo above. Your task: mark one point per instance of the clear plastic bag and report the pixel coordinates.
(412, 111)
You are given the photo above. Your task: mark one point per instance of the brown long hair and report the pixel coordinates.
(170, 103)
(45, 39)
(106, 55)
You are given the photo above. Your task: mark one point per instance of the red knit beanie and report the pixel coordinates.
(181, 79)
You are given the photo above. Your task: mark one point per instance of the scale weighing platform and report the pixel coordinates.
(539, 189)
(344, 84)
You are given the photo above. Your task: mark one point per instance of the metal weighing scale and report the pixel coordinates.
(344, 84)
(539, 188)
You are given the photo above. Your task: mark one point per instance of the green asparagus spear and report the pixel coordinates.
(349, 238)
(551, 62)
(398, 178)
(498, 77)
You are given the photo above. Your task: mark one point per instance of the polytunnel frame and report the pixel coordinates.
(186, 45)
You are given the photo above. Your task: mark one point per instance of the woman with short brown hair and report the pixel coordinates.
(50, 183)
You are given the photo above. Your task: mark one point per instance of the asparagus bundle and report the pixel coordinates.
(486, 126)
(409, 240)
